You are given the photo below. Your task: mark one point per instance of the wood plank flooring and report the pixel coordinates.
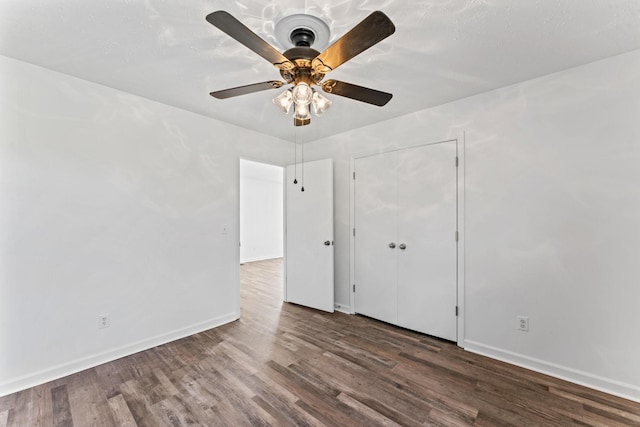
(283, 364)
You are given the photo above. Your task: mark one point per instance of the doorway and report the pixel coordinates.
(261, 211)
(298, 233)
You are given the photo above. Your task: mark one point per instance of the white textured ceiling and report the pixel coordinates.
(442, 50)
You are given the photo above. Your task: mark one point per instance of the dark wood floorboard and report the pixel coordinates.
(286, 365)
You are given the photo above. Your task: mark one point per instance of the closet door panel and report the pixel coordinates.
(427, 267)
(375, 224)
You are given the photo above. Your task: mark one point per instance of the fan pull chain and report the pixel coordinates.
(302, 189)
(295, 157)
(295, 162)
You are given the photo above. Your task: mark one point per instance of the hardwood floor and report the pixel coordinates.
(283, 364)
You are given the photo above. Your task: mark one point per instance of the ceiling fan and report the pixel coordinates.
(303, 67)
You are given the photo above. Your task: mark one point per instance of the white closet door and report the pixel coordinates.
(375, 223)
(309, 242)
(427, 267)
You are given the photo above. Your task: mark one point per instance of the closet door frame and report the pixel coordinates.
(459, 139)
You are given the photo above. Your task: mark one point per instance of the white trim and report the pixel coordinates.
(36, 378)
(606, 385)
(391, 150)
(236, 234)
(352, 241)
(261, 258)
(284, 233)
(460, 149)
(342, 308)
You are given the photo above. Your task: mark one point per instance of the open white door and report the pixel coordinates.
(309, 236)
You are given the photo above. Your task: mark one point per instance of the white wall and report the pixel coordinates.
(110, 204)
(261, 211)
(552, 217)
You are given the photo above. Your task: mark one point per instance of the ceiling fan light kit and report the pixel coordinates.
(302, 66)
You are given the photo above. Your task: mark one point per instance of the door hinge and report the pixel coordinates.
(354, 287)
(456, 161)
(354, 232)
(456, 310)
(457, 236)
(354, 175)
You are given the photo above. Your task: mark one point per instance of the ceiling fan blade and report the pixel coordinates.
(373, 29)
(236, 29)
(359, 93)
(243, 90)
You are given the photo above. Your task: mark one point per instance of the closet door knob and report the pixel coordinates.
(392, 245)
(327, 243)
(402, 246)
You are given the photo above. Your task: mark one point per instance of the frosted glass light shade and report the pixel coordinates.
(284, 101)
(302, 93)
(302, 111)
(320, 103)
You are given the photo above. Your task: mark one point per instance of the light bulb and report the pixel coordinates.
(320, 103)
(302, 93)
(284, 101)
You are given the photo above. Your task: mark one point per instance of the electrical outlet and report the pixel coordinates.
(103, 321)
(523, 323)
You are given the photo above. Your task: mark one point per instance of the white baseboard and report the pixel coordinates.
(342, 308)
(616, 388)
(31, 380)
(259, 258)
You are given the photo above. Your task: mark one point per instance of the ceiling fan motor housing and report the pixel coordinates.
(301, 56)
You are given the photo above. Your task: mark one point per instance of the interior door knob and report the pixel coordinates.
(392, 245)
(327, 242)
(402, 246)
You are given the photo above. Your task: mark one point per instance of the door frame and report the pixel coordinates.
(460, 180)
